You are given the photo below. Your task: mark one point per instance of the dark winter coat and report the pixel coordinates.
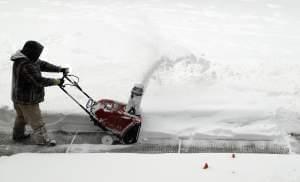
(27, 81)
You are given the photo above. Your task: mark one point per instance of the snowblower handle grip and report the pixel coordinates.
(65, 74)
(63, 78)
(72, 82)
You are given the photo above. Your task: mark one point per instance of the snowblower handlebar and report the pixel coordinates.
(72, 82)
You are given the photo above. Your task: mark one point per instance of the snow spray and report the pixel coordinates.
(133, 106)
(134, 103)
(152, 69)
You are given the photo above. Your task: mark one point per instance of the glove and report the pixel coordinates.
(58, 82)
(62, 81)
(65, 70)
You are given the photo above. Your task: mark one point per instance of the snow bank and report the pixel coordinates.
(141, 167)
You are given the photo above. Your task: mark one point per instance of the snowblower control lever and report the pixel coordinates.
(72, 82)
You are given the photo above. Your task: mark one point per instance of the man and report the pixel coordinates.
(28, 91)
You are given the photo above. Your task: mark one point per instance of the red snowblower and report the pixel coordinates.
(120, 122)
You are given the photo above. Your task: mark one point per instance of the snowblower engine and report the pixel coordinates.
(123, 120)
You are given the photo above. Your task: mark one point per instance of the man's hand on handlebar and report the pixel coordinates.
(58, 82)
(65, 71)
(62, 81)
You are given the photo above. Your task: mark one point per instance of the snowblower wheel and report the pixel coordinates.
(107, 140)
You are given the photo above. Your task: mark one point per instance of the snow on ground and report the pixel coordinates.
(162, 167)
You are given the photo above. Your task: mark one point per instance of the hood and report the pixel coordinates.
(32, 50)
(17, 56)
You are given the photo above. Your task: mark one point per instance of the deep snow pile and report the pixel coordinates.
(194, 95)
(142, 167)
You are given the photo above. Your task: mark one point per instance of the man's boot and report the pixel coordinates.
(40, 137)
(19, 134)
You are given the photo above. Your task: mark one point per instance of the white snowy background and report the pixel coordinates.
(222, 68)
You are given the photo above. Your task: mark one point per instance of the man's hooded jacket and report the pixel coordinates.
(27, 81)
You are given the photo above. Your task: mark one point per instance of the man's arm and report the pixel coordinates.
(47, 67)
(30, 73)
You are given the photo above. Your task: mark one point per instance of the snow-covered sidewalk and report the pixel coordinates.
(145, 167)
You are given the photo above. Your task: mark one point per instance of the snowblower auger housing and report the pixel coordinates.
(109, 115)
(112, 115)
